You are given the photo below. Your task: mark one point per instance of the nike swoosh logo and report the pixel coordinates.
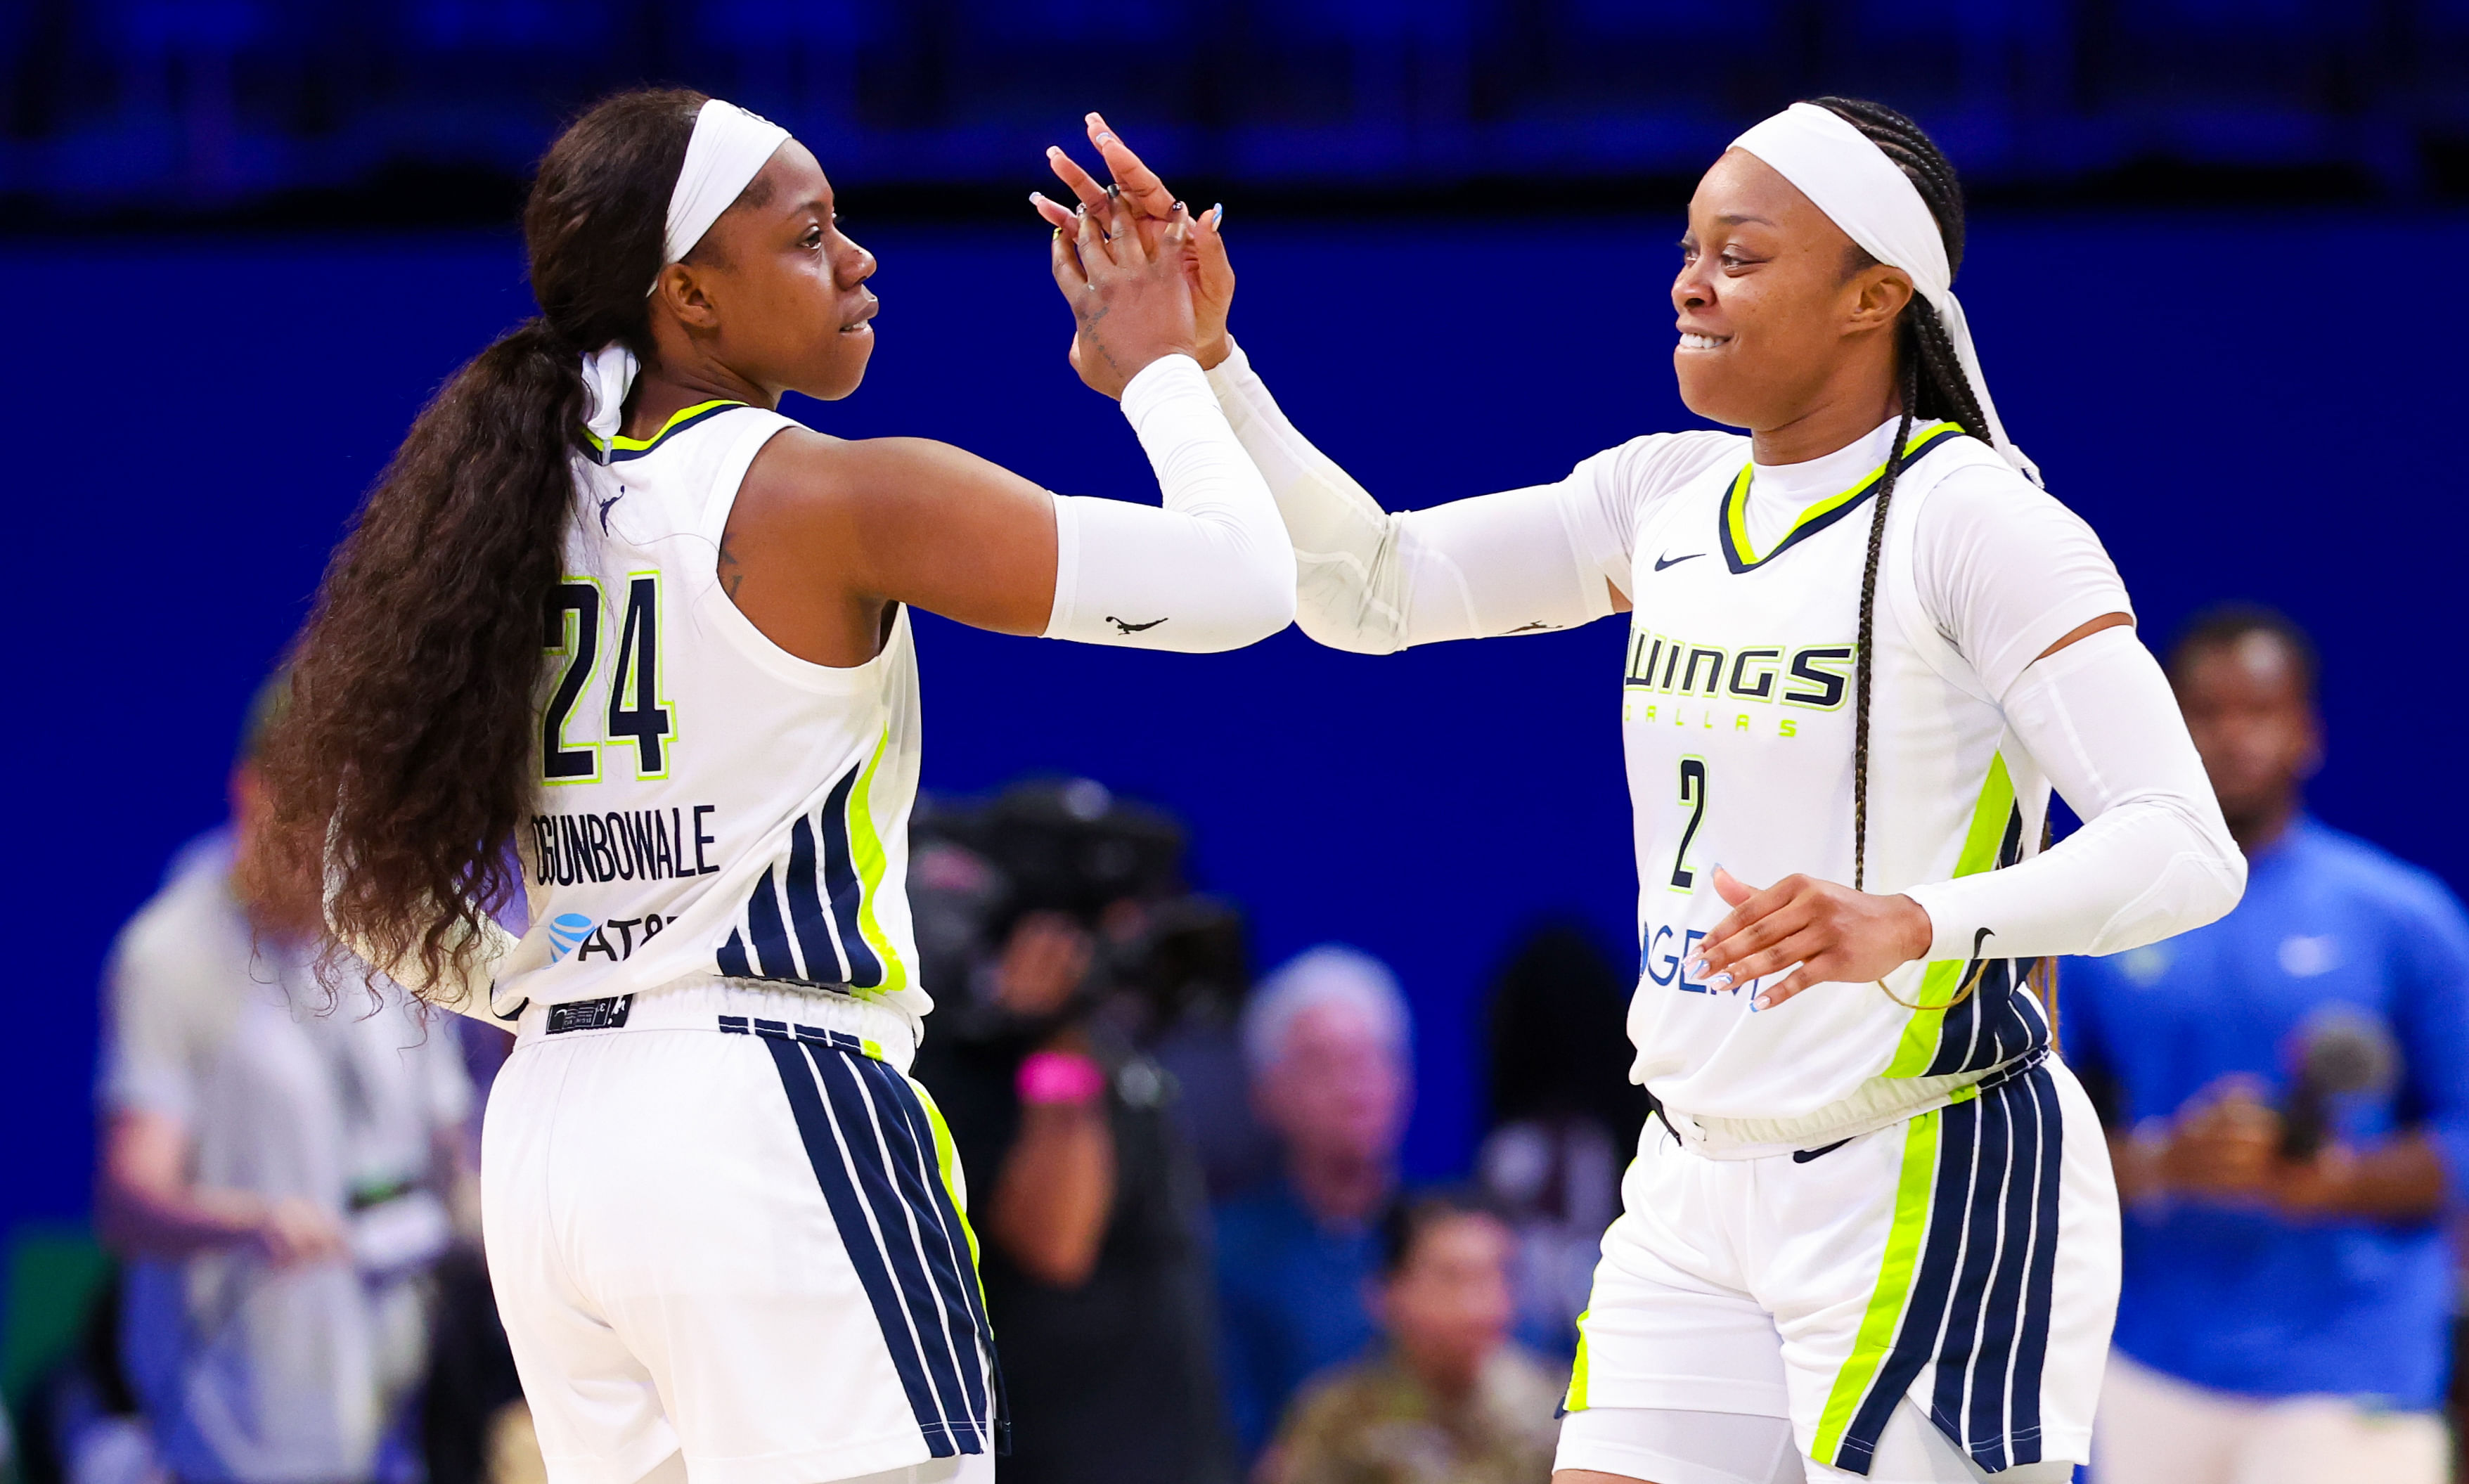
(1979, 937)
(1804, 1156)
(1662, 562)
(1134, 628)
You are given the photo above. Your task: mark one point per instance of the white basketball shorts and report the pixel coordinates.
(1966, 1259)
(722, 1222)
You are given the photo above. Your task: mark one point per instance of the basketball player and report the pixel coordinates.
(611, 621)
(1877, 1235)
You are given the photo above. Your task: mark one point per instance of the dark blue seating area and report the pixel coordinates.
(109, 107)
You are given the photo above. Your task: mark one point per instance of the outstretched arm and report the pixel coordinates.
(824, 535)
(1527, 561)
(1367, 580)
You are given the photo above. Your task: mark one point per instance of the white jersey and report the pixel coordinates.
(1738, 716)
(709, 805)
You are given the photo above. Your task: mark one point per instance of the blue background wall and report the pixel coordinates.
(2252, 406)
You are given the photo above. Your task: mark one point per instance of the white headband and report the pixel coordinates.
(728, 149)
(1869, 196)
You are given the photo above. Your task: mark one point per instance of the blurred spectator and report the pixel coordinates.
(85, 1426)
(277, 1179)
(469, 1396)
(1451, 1400)
(2288, 1097)
(1325, 1038)
(1040, 919)
(1201, 973)
(1566, 1119)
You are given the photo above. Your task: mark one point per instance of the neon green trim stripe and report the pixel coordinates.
(946, 1159)
(1576, 1401)
(1736, 505)
(622, 443)
(865, 845)
(1943, 980)
(1894, 1285)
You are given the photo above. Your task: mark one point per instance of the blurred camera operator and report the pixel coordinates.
(276, 1172)
(2287, 1092)
(1041, 918)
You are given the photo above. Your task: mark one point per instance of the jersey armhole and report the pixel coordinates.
(728, 476)
(721, 613)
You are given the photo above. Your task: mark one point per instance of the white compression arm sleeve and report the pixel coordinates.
(1375, 583)
(1211, 571)
(2153, 857)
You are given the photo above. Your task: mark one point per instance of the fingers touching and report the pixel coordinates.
(1138, 222)
(1079, 182)
(1139, 184)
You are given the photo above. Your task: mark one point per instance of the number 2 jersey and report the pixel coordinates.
(1738, 714)
(709, 805)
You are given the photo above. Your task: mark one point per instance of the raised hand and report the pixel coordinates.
(1132, 305)
(1140, 199)
(1832, 932)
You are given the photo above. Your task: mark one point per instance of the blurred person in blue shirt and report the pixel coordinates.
(1325, 1038)
(2287, 1093)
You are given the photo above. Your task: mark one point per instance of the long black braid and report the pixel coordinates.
(1933, 387)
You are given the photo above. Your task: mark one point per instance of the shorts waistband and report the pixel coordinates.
(732, 1007)
(1881, 1103)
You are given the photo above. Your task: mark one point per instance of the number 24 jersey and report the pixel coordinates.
(707, 805)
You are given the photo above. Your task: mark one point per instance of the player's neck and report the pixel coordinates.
(1845, 412)
(661, 394)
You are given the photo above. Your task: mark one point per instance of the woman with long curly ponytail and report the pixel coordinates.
(1873, 1233)
(618, 654)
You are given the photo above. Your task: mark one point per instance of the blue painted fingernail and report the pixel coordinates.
(1696, 967)
(1218, 214)
(1762, 1001)
(1720, 982)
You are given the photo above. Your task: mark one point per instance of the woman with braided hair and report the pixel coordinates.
(1876, 1235)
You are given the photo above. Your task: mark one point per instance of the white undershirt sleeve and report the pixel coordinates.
(2153, 857)
(1210, 571)
(1525, 561)
(2005, 571)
